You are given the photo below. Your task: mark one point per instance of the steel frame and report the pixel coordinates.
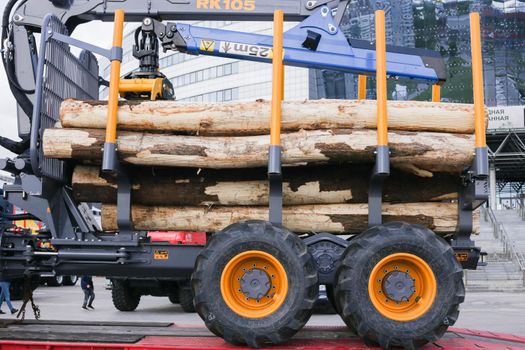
(507, 153)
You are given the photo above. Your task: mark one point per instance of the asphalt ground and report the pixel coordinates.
(490, 311)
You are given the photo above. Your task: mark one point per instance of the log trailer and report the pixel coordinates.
(254, 282)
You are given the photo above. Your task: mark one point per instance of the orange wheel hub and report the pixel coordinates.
(254, 284)
(402, 287)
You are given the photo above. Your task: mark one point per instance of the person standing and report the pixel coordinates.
(5, 295)
(86, 283)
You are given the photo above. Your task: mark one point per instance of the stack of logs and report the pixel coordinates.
(201, 167)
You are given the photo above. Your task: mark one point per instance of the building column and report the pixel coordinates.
(492, 186)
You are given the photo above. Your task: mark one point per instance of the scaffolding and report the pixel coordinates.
(506, 149)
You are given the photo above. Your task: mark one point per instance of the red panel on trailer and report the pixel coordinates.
(490, 335)
(455, 339)
(178, 237)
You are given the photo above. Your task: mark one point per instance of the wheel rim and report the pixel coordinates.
(254, 284)
(402, 287)
(59, 279)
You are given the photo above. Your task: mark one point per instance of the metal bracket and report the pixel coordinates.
(124, 222)
(275, 181)
(114, 53)
(375, 190)
(110, 161)
(481, 162)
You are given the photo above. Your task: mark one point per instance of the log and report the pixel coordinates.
(333, 218)
(419, 152)
(252, 118)
(329, 184)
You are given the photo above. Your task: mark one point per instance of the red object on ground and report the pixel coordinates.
(454, 339)
(178, 237)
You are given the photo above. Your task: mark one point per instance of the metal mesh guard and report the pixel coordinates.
(62, 76)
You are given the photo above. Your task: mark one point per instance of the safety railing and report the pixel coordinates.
(510, 249)
(520, 208)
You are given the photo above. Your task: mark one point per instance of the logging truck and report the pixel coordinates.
(275, 183)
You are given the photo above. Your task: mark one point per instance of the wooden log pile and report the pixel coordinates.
(200, 167)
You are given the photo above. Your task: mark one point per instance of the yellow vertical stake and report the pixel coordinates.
(382, 122)
(114, 80)
(277, 78)
(477, 80)
(361, 87)
(436, 93)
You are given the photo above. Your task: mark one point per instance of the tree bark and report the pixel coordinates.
(333, 218)
(419, 152)
(252, 118)
(328, 184)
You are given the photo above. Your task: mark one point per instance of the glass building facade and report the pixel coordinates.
(436, 25)
(442, 26)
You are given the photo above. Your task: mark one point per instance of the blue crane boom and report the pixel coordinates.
(316, 42)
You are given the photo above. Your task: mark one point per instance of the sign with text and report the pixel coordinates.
(508, 117)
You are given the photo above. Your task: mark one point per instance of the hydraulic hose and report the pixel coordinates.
(18, 92)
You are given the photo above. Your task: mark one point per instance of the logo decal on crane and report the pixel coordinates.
(207, 45)
(242, 49)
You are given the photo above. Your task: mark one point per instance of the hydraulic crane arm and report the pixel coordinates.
(73, 12)
(316, 42)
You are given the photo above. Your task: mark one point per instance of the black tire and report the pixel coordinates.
(298, 264)
(353, 275)
(124, 298)
(185, 295)
(55, 281)
(174, 298)
(70, 280)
